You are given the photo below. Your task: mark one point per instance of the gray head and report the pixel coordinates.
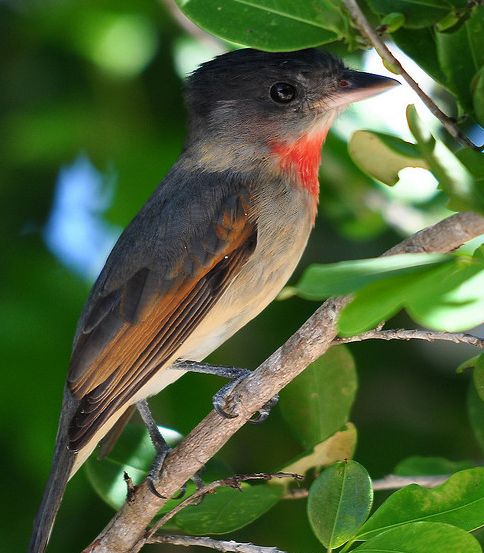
(251, 93)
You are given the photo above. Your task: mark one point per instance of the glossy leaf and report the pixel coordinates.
(461, 56)
(339, 501)
(338, 447)
(321, 281)
(420, 45)
(422, 537)
(228, 509)
(428, 466)
(454, 178)
(477, 85)
(273, 25)
(475, 408)
(458, 501)
(382, 156)
(447, 298)
(318, 402)
(417, 14)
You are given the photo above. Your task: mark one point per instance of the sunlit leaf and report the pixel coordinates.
(321, 281)
(448, 297)
(317, 403)
(458, 501)
(454, 178)
(274, 25)
(382, 156)
(422, 537)
(428, 466)
(228, 509)
(417, 14)
(338, 447)
(339, 501)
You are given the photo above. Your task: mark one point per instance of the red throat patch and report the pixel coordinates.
(302, 157)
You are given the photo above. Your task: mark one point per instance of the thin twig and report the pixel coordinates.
(367, 30)
(394, 482)
(125, 532)
(219, 545)
(232, 482)
(390, 482)
(403, 334)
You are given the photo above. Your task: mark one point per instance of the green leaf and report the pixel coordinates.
(461, 56)
(475, 409)
(458, 501)
(393, 21)
(338, 447)
(273, 25)
(478, 376)
(133, 453)
(447, 298)
(228, 509)
(453, 302)
(339, 501)
(455, 179)
(382, 156)
(428, 466)
(419, 44)
(318, 402)
(477, 86)
(321, 281)
(377, 302)
(467, 364)
(418, 13)
(422, 537)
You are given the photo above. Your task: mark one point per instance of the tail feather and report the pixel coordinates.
(54, 490)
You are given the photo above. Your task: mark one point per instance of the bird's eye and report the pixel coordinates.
(283, 93)
(343, 83)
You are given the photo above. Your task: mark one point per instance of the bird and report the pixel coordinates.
(213, 245)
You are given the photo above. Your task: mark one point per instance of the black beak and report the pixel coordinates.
(356, 85)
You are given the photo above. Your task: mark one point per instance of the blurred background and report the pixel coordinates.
(91, 118)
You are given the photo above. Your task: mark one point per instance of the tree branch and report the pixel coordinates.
(219, 545)
(232, 482)
(125, 531)
(390, 482)
(367, 30)
(403, 334)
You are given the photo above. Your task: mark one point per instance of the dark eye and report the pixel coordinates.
(343, 83)
(283, 93)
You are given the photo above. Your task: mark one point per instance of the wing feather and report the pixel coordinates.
(130, 332)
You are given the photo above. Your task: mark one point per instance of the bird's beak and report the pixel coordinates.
(354, 86)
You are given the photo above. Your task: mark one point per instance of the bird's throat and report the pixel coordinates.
(302, 158)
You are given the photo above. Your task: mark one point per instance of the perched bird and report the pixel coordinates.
(214, 244)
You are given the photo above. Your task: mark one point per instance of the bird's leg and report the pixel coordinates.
(162, 450)
(161, 447)
(220, 398)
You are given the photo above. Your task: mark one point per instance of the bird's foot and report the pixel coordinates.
(226, 405)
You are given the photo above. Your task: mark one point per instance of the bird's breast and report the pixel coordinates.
(284, 222)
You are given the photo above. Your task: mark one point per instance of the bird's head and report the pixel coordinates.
(254, 106)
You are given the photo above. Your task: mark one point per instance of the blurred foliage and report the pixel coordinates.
(102, 81)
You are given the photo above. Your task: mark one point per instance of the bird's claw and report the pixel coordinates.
(220, 400)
